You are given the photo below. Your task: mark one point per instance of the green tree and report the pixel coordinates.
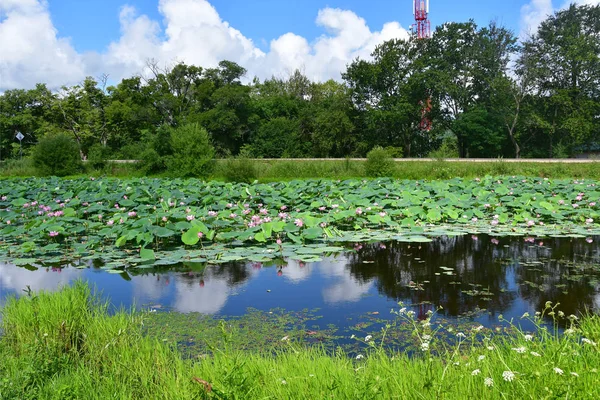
(192, 152)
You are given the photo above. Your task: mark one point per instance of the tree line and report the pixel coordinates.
(485, 93)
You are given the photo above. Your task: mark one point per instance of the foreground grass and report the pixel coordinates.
(277, 170)
(66, 346)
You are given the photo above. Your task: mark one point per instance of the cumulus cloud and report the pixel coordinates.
(536, 11)
(31, 50)
(194, 33)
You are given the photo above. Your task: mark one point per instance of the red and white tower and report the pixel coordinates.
(422, 30)
(422, 26)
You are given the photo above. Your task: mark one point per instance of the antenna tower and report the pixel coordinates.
(422, 26)
(422, 29)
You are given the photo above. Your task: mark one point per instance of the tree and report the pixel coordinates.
(563, 58)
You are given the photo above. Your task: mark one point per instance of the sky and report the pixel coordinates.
(60, 42)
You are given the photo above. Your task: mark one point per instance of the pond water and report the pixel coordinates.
(475, 277)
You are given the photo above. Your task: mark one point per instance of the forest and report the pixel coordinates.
(490, 94)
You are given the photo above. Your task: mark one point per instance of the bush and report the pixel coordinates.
(57, 155)
(379, 163)
(193, 152)
(240, 169)
(97, 156)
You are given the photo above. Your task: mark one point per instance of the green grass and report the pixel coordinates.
(281, 170)
(66, 346)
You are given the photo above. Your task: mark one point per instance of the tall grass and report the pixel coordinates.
(66, 346)
(276, 170)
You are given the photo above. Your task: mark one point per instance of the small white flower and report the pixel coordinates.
(402, 310)
(479, 328)
(425, 346)
(525, 315)
(520, 350)
(476, 372)
(575, 374)
(410, 314)
(588, 341)
(285, 339)
(508, 376)
(528, 338)
(489, 382)
(490, 347)
(558, 371)
(368, 337)
(427, 337)
(570, 331)
(283, 382)
(535, 354)
(353, 336)
(359, 356)
(460, 335)
(480, 358)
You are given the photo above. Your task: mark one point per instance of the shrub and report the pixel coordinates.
(240, 169)
(193, 152)
(379, 163)
(57, 155)
(97, 156)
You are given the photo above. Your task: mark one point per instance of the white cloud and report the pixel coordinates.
(193, 33)
(30, 49)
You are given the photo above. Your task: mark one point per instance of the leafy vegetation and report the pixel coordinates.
(379, 163)
(65, 345)
(57, 155)
(545, 105)
(136, 220)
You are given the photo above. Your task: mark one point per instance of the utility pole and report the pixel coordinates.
(422, 30)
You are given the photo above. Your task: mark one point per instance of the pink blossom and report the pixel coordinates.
(334, 206)
(61, 213)
(530, 223)
(246, 205)
(359, 211)
(53, 233)
(200, 234)
(299, 222)
(246, 212)
(323, 224)
(190, 217)
(267, 219)
(110, 222)
(232, 215)
(165, 219)
(575, 205)
(8, 222)
(382, 214)
(283, 208)
(212, 213)
(125, 196)
(561, 202)
(264, 211)
(282, 215)
(100, 217)
(589, 240)
(494, 222)
(589, 221)
(121, 220)
(3, 198)
(579, 198)
(474, 219)
(592, 204)
(279, 242)
(229, 205)
(486, 206)
(322, 208)
(132, 213)
(495, 241)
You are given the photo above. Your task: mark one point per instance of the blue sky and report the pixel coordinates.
(60, 42)
(93, 24)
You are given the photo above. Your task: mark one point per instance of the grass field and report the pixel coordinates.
(274, 170)
(66, 346)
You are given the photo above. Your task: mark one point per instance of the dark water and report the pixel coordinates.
(475, 277)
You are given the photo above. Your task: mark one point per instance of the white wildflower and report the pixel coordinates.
(528, 338)
(480, 327)
(558, 371)
(480, 358)
(402, 310)
(575, 374)
(520, 350)
(476, 372)
(535, 354)
(588, 341)
(283, 382)
(359, 356)
(490, 347)
(570, 331)
(427, 337)
(525, 315)
(489, 382)
(425, 346)
(368, 337)
(460, 335)
(508, 376)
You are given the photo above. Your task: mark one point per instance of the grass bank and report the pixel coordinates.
(66, 346)
(282, 170)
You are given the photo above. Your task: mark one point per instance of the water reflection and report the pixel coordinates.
(463, 274)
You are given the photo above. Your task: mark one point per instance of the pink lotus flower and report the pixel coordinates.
(264, 211)
(165, 219)
(359, 211)
(110, 222)
(592, 204)
(299, 222)
(575, 205)
(232, 215)
(190, 217)
(530, 223)
(212, 214)
(132, 213)
(3, 198)
(200, 234)
(494, 222)
(589, 221)
(53, 233)
(282, 215)
(246, 212)
(279, 242)
(322, 208)
(283, 208)
(382, 214)
(495, 241)
(589, 240)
